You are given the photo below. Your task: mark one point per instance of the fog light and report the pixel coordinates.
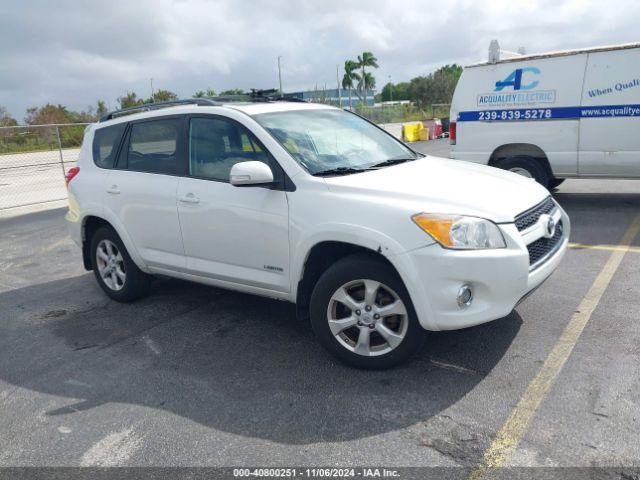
(465, 296)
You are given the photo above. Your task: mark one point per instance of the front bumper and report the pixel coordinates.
(499, 278)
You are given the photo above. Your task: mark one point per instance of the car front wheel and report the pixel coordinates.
(362, 313)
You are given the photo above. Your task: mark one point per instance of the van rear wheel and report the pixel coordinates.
(527, 167)
(556, 182)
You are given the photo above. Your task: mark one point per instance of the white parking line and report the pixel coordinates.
(517, 424)
(113, 450)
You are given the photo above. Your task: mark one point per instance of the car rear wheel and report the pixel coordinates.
(527, 167)
(116, 273)
(362, 314)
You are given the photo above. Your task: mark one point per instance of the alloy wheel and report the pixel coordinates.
(111, 265)
(367, 317)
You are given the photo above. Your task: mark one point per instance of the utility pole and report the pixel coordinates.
(280, 73)
(390, 90)
(152, 94)
(338, 84)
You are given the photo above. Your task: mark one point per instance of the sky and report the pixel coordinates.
(76, 52)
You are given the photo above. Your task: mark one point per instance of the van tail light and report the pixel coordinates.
(452, 133)
(71, 174)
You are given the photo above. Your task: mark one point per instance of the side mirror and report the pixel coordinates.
(251, 173)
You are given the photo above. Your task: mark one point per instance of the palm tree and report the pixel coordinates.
(367, 83)
(209, 92)
(350, 75)
(367, 59)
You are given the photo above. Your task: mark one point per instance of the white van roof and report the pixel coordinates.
(558, 53)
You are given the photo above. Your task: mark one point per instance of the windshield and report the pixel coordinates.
(328, 140)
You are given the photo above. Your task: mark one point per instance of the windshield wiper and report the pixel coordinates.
(392, 161)
(348, 170)
(338, 171)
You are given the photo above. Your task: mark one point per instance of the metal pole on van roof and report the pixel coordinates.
(494, 52)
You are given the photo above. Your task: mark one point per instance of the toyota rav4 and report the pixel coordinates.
(310, 204)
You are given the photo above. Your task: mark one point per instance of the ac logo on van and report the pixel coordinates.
(514, 79)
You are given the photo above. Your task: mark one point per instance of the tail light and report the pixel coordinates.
(73, 171)
(452, 133)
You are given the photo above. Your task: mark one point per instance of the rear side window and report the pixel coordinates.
(105, 145)
(152, 146)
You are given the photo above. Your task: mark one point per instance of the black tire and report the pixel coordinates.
(355, 267)
(536, 168)
(136, 283)
(555, 182)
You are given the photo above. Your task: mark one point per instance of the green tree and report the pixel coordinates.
(101, 109)
(130, 99)
(163, 96)
(48, 137)
(367, 59)
(401, 91)
(6, 120)
(437, 87)
(85, 116)
(397, 92)
(232, 91)
(350, 75)
(48, 114)
(366, 83)
(209, 92)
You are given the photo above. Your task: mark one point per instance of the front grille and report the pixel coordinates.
(531, 216)
(542, 247)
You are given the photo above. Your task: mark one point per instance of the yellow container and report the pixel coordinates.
(424, 134)
(411, 131)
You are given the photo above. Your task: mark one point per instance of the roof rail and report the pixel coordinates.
(272, 95)
(205, 102)
(243, 97)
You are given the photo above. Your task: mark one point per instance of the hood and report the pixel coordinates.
(438, 185)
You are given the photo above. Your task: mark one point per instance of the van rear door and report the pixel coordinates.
(610, 115)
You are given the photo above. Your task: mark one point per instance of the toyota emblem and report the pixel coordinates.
(550, 227)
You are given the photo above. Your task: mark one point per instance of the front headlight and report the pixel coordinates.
(460, 232)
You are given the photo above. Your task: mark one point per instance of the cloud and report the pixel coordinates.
(74, 53)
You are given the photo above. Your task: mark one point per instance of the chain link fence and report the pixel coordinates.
(33, 162)
(35, 158)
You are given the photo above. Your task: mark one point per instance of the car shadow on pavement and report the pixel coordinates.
(234, 362)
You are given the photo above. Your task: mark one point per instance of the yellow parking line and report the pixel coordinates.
(518, 422)
(608, 248)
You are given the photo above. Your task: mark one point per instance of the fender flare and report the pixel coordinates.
(373, 240)
(108, 216)
(357, 235)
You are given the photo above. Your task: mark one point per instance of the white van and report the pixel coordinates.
(552, 116)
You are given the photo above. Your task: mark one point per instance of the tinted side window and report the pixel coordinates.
(152, 146)
(216, 145)
(105, 144)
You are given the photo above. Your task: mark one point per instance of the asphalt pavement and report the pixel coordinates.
(198, 376)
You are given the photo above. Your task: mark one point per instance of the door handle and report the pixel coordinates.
(113, 189)
(189, 198)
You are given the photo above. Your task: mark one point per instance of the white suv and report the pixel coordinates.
(314, 205)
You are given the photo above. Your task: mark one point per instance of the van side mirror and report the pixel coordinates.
(251, 173)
